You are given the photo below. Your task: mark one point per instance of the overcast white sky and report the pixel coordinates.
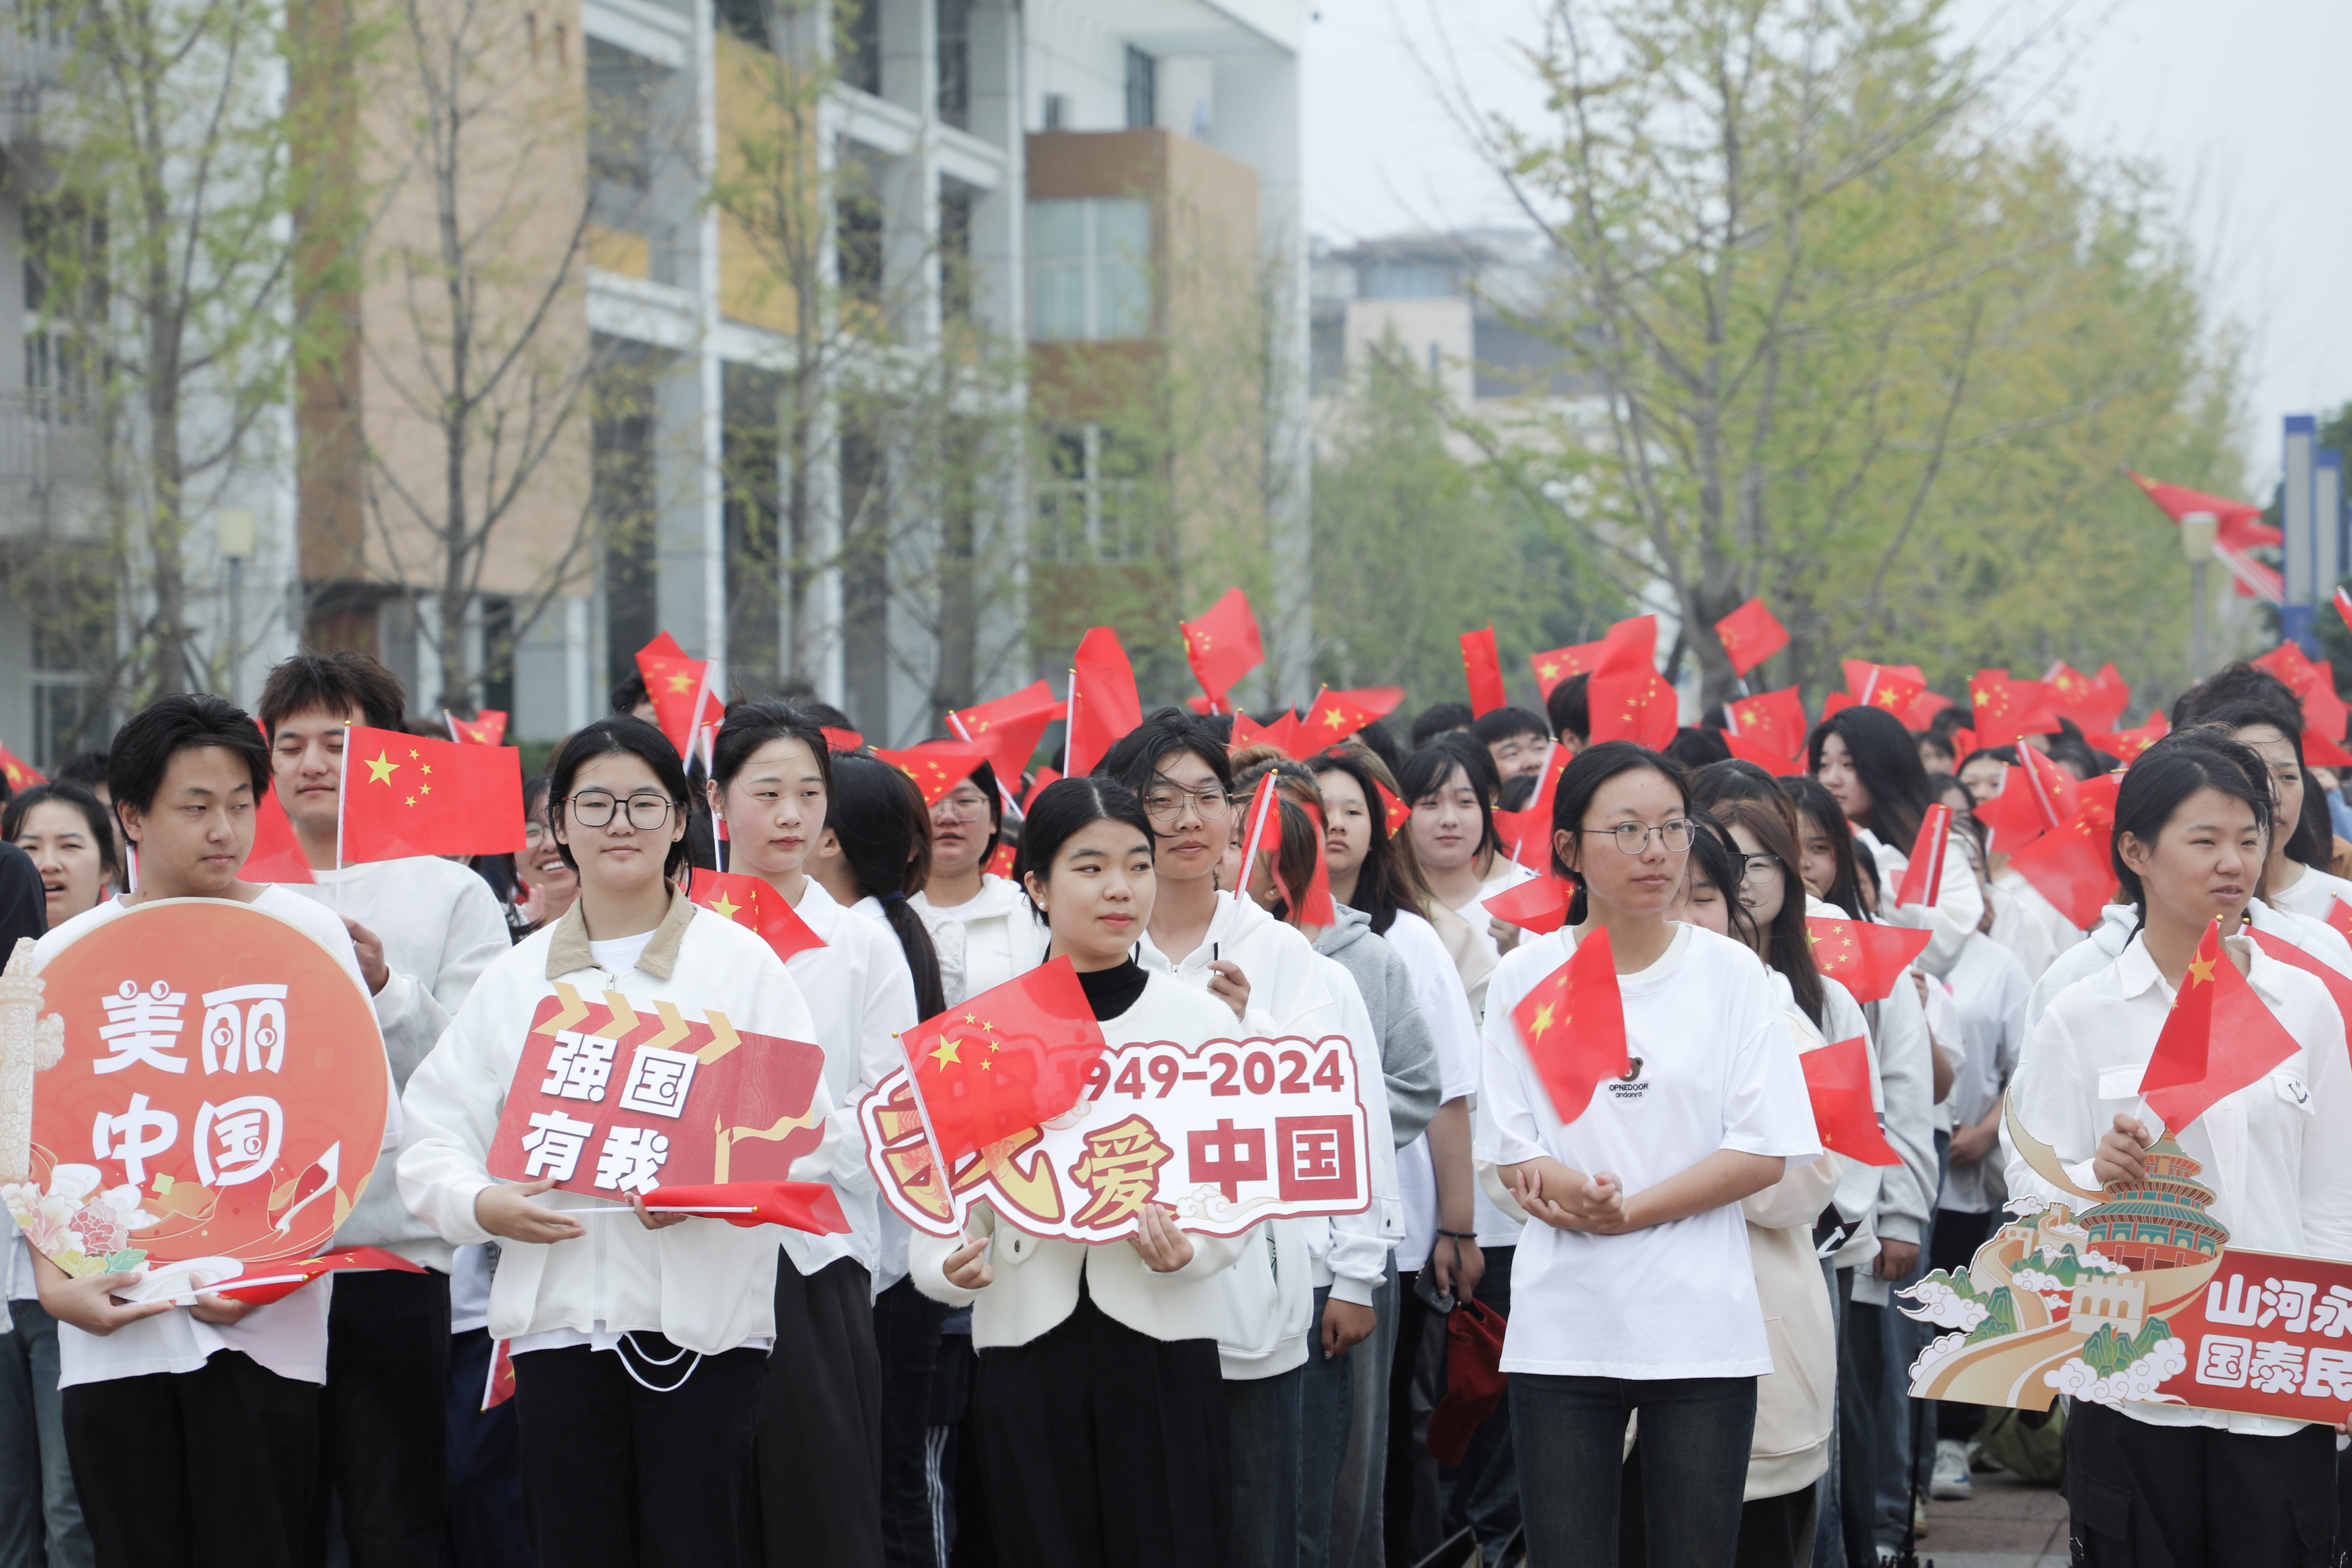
(2242, 101)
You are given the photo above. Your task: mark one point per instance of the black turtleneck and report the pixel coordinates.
(1111, 991)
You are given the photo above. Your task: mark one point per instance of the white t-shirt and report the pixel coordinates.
(1717, 1069)
(2311, 895)
(620, 954)
(288, 1336)
(1445, 1007)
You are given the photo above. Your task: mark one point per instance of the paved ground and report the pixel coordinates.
(2007, 1525)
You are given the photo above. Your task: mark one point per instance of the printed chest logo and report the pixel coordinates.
(1629, 1087)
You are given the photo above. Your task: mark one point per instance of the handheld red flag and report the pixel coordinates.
(1258, 818)
(999, 864)
(2323, 719)
(838, 740)
(1923, 709)
(20, 774)
(2006, 710)
(1750, 635)
(1540, 904)
(2093, 702)
(936, 767)
(1628, 643)
(679, 688)
(276, 855)
(1037, 780)
(278, 1278)
(1764, 757)
(1009, 729)
(803, 1206)
(1894, 687)
(1573, 1026)
(1636, 705)
(2340, 985)
(2343, 606)
(1526, 833)
(1923, 878)
(408, 795)
(1482, 667)
(1012, 1058)
(1394, 813)
(1837, 1078)
(1865, 957)
(488, 727)
(1773, 722)
(2126, 745)
(2217, 1038)
(2036, 796)
(751, 903)
(1284, 734)
(499, 1385)
(1103, 704)
(1337, 715)
(1222, 646)
(1316, 906)
(2070, 866)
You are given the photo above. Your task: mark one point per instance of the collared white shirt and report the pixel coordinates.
(2277, 1153)
(2118, 922)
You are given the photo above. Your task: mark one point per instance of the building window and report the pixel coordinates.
(857, 46)
(955, 63)
(1057, 111)
(1090, 268)
(1091, 503)
(747, 20)
(956, 204)
(1142, 89)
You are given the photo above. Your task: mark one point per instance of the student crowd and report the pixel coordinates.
(1664, 1330)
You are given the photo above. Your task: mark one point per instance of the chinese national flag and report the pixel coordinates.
(2288, 663)
(1923, 709)
(1865, 958)
(1009, 729)
(20, 774)
(276, 854)
(1394, 812)
(1283, 734)
(804, 1205)
(1526, 833)
(2340, 985)
(1750, 635)
(2217, 1038)
(499, 1387)
(1260, 817)
(2127, 744)
(2324, 718)
(1923, 878)
(1010, 1059)
(1636, 705)
(2005, 709)
(409, 795)
(1222, 646)
(2036, 796)
(1573, 1026)
(2070, 866)
(1038, 781)
(1837, 1077)
(751, 903)
(678, 686)
(277, 1279)
(936, 767)
(1540, 904)
(1773, 722)
(1103, 704)
(2339, 917)
(2093, 702)
(1628, 643)
(488, 727)
(838, 740)
(1482, 667)
(1894, 687)
(1337, 715)
(1772, 761)
(1314, 905)
(999, 864)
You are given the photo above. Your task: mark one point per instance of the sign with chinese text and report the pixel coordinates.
(212, 1093)
(613, 1098)
(1232, 1133)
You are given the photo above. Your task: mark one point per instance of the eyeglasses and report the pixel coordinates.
(647, 810)
(1633, 838)
(1165, 804)
(1758, 865)
(973, 810)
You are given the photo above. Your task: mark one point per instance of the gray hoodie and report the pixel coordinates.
(1408, 1053)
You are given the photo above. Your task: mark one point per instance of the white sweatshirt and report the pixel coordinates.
(707, 1285)
(996, 936)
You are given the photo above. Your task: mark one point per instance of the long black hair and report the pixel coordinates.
(1815, 804)
(1785, 944)
(1381, 885)
(1713, 857)
(619, 732)
(1582, 779)
(1059, 811)
(1886, 760)
(878, 818)
(2183, 763)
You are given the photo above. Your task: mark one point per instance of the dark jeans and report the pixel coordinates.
(2190, 1497)
(906, 1338)
(486, 1528)
(1263, 1416)
(1956, 1238)
(383, 1416)
(38, 1523)
(1416, 1384)
(1695, 1437)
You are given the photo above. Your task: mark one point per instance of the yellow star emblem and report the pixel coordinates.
(425, 789)
(679, 682)
(2200, 971)
(1543, 1019)
(412, 800)
(1337, 719)
(428, 770)
(725, 907)
(1547, 669)
(412, 754)
(946, 1052)
(381, 770)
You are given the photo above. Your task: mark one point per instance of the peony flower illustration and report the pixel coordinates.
(107, 1219)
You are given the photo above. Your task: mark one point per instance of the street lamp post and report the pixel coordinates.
(2197, 529)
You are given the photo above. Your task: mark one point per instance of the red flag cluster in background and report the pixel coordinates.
(1768, 729)
(1009, 729)
(2094, 702)
(2324, 715)
(2005, 709)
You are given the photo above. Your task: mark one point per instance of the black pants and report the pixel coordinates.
(820, 1449)
(1777, 1531)
(1412, 1501)
(1104, 1447)
(383, 1416)
(216, 1468)
(486, 1528)
(616, 1474)
(907, 1335)
(2189, 1496)
(1862, 1364)
(1955, 1240)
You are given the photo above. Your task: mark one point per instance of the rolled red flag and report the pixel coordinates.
(803, 1206)
(282, 1279)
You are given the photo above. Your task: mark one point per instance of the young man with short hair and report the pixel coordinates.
(425, 929)
(1517, 740)
(194, 1431)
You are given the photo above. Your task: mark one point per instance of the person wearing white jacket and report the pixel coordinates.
(986, 931)
(1098, 1407)
(2150, 1483)
(640, 1343)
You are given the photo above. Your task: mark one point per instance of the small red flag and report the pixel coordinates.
(678, 686)
(1009, 729)
(2070, 866)
(803, 1206)
(278, 1278)
(1315, 907)
(500, 1386)
(1012, 1058)
(1573, 1026)
(1773, 722)
(2343, 606)
(1837, 1078)
(488, 727)
(1764, 757)
(1894, 687)
(1750, 635)
(1924, 708)
(1394, 812)
(1923, 878)
(1482, 667)
(2217, 1038)
(936, 767)
(2288, 663)
(2093, 702)
(1103, 704)
(1259, 819)
(409, 795)
(276, 855)
(2036, 796)
(999, 864)
(838, 740)
(2005, 709)
(1283, 734)
(2323, 719)
(1628, 643)
(1865, 958)
(1337, 715)
(2126, 745)
(1222, 646)
(1540, 904)
(1526, 833)
(753, 904)
(1038, 781)
(2340, 985)
(20, 774)
(1634, 705)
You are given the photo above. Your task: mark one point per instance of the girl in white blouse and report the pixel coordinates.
(2148, 1483)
